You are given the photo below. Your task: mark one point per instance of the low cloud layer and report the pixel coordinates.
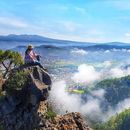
(117, 50)
(88, 73)
(121, 106)
(85, 74)
(79, 52)
(92, 107)
(64, 102)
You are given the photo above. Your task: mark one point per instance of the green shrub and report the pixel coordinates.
(16, 81)
(50, 114)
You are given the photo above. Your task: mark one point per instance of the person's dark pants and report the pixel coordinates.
(34, 64)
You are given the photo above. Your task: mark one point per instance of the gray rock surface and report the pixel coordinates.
(20, 112)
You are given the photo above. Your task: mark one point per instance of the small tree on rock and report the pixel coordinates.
(9, 60)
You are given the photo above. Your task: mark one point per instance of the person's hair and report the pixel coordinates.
(30, 46)
(26, 52)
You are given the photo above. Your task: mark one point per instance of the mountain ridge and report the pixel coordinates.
(31, 38)
(12, 40)
(39, 38)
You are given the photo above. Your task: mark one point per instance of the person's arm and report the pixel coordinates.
(35, 54)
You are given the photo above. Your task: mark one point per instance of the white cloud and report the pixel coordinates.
(79, 52)
(91, 108)
(107, 51)
(107, 64)
(69, 26)
(95, 32)
(62, 100)
(119, 72)
(116, 72)
(125, 104)
(98, 93)
(66, 30)
(117, 50)
(13, 22)
(93, 105)
(86, 74)
(76, 37)
(121, 106)
(127, 34)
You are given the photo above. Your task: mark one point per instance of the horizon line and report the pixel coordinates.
(63, 39)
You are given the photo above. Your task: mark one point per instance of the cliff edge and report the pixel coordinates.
(24, 105)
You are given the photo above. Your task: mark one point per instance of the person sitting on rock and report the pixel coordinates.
(31, 58)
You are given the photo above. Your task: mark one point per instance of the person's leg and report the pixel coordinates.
(37, 63)
(40, 65)
(29, 64)
(34, 64)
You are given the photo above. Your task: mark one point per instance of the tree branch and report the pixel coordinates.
(4, 65)
(8, 69)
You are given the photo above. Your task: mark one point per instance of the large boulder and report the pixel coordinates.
(37, 73)
(18, 110)
(40, 83)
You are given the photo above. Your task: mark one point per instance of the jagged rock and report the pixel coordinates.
(70, 121)
(39, 82)
(37, 73)
(20, 111)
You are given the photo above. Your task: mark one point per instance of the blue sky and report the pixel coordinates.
(79, 20)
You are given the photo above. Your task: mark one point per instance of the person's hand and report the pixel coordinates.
(39, 55)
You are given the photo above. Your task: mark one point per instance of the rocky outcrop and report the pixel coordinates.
(70, 121)
(20, 111)
(27, 108)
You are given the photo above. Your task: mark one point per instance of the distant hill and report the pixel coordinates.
(32, 38)
(25, 38)
(118, 122)
(117, 89)
(38, 38)
(12, 40)
(109, 46)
